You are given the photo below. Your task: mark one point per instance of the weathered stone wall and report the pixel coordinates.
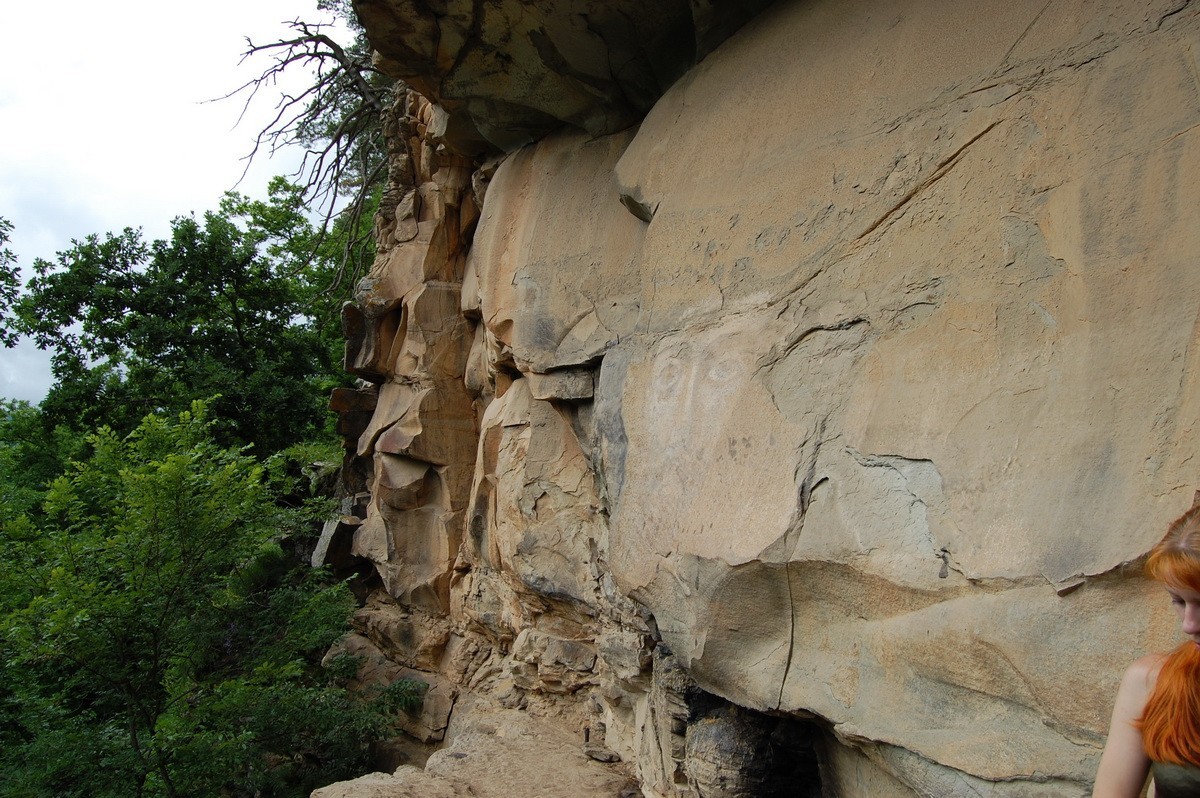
(833, 404)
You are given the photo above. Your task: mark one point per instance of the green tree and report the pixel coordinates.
(32, 454)
(159, 640)
(223, 308)
(10, 279)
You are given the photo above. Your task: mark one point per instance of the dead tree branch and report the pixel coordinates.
(336, 118)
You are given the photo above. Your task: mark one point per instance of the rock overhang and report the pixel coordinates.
(507, 73)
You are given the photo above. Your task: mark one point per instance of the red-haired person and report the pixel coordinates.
(1156, 720)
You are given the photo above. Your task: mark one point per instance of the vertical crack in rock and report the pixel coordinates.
(804, 488)
(787, 665)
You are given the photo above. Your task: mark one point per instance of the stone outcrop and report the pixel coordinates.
(498, 754)
(508, 73)
(808, 433)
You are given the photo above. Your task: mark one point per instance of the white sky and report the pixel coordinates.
(102, 124)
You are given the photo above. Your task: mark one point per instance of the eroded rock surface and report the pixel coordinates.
(508, 73)
(832, 407)
(497, 753)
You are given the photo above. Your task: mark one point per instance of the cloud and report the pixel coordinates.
(105, 124)
(24, 373)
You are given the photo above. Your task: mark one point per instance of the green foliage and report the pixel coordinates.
(158, 636)
(10, 279)
(159, 640)
(228, 307)
(32, 454)
(319, 261)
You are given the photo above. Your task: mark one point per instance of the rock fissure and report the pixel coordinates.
(1024, 34)
(941, 170)
(1182, 6)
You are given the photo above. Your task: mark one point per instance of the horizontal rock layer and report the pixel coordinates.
(847, 389)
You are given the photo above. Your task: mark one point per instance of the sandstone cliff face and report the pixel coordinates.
(825, 409)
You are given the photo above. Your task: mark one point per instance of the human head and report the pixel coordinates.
(1175, 560)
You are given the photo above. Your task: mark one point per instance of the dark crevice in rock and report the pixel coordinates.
(718, 749)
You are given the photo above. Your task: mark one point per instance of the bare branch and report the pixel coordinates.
(336, 118)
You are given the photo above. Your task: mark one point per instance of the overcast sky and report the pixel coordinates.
(103, 124)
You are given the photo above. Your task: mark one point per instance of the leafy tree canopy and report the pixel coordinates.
(158, 641)
(230, 306)
(10, 277)
(32, 455)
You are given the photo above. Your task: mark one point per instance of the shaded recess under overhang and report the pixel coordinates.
(508, 72)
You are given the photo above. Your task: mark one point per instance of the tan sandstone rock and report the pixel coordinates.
(953, 355)
(406, 782)
(496, 753)
(835, 402)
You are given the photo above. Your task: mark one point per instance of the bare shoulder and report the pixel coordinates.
(1124, 764)
(1143, 672)
(1136, 686)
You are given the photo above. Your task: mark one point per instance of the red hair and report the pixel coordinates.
(1170, 723)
